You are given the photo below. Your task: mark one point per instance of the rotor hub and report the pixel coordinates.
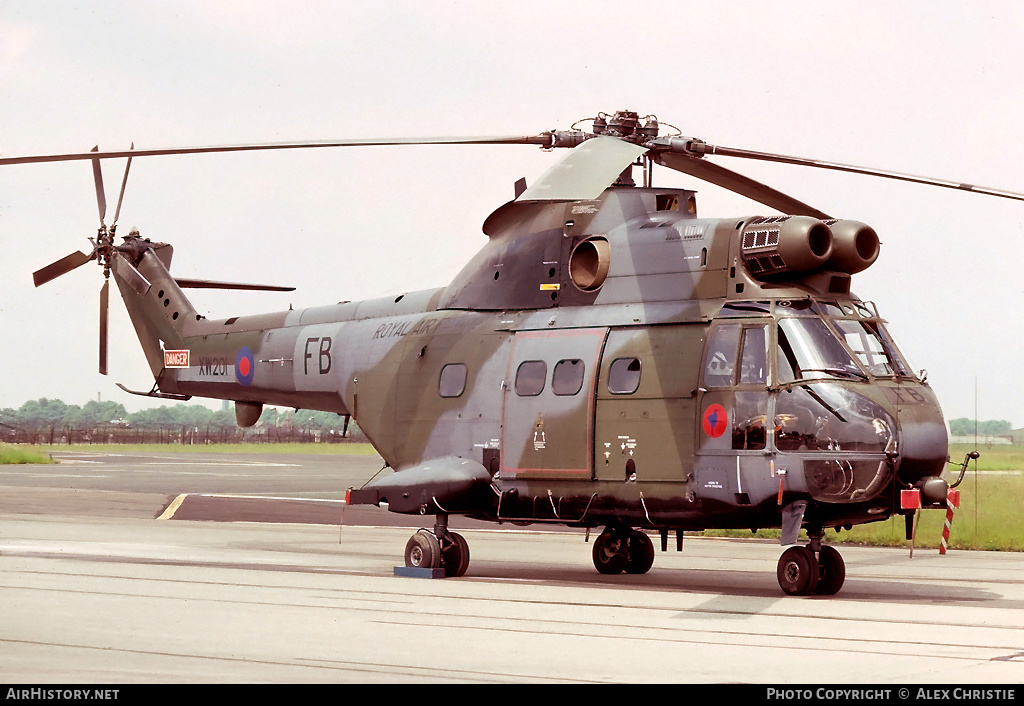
(626, 125)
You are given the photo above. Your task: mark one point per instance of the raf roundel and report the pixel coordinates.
(715, 420)
(244, 366)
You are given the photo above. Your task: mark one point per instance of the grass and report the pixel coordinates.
(1004, 457)
(989, 515)
(16, 454)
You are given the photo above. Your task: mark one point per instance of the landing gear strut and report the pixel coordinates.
(811, 569)
(619, 549)
(438, 549)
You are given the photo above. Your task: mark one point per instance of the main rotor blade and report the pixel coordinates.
(737, 183)
(104, 297)
(212, 284)
(97, 176)
(543, 139)
(704, 148)
(586, 172)
(124, 182)
(60, 267)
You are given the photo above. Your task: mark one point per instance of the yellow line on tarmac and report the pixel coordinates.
(173, 507)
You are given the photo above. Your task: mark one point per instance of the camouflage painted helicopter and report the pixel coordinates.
(607, 360)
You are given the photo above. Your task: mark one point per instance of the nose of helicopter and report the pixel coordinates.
(923, 442)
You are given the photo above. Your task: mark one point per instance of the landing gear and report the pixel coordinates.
(619, 549)
(831, 572)
(456, 558)
(798, 571)
(641, 553)
(802, 571)
(438, 549)
(423, 551)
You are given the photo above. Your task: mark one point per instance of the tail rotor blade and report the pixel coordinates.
(60, 267)
(124, 182)
(104, 297)
(97, 176)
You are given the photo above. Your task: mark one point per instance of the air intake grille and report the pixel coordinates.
(760, 238)
(759, 246)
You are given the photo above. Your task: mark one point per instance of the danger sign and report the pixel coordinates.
(176, 359)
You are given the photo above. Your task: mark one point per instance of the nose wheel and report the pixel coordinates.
(804, 572)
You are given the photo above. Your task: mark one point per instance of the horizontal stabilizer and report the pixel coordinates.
(211, 284)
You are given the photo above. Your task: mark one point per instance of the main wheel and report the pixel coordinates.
(423, 551)
(641, 553)
(610, 552)
(456, 557)
(831, 572)
(798, 571)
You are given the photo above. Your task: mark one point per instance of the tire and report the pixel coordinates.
(456, 557)
(610, 552)
(831, 572)
(423, 551)
(798, 571)
(641, 553)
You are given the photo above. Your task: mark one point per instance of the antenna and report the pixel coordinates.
(975, 459)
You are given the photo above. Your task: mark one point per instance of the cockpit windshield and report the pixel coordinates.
(809, 350)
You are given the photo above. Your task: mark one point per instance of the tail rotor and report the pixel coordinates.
(104, 252)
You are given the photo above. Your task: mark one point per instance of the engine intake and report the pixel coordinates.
(855, 247)
(775, 246)
(771, 247)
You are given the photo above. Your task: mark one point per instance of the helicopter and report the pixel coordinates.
(608, 360)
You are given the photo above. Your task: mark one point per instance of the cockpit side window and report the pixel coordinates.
(720, 357)
(754, 356)
(871, 347)
(750, 342)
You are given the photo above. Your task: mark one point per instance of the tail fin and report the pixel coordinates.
(162, 314)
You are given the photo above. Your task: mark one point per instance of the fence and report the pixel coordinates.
(55, 435)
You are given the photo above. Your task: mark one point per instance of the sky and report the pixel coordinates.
(917, 87)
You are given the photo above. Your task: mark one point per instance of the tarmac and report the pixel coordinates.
(266, 585)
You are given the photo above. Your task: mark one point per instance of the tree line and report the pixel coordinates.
(52, 421)
(990, 427)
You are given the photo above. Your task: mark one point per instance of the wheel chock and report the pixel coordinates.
(417, 572)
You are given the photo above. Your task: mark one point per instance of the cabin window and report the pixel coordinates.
(452, 382)
(624, 376)
(530, 377)
(567, 379)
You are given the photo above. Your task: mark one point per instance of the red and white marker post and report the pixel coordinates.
(952, 503)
